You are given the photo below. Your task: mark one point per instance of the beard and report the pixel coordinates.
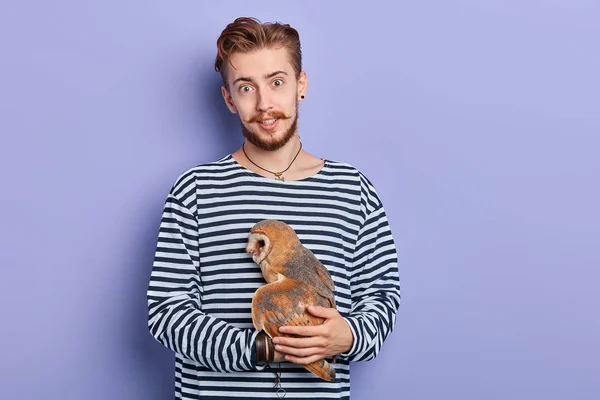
(270, 143)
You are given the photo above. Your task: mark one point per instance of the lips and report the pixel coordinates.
(268, 124)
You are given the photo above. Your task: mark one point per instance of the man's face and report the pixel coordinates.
(264, 91)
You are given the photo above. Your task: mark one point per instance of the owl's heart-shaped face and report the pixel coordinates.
(259, 246)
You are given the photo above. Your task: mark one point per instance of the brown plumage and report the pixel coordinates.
(295, 279)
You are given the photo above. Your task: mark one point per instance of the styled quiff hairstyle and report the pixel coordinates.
(247, 34)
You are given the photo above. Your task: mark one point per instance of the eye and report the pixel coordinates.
(245, 88)
(278, 82)
(261, 243)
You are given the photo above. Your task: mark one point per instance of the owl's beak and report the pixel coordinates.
(256, 246)
(253, 247)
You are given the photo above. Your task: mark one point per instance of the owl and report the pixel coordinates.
(295, 279)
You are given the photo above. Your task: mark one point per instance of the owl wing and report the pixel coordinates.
(304, 266)
(284, 302)
(325, 278)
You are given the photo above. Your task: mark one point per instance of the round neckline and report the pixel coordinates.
(257, 175)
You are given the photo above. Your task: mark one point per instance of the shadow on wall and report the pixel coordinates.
(151, 364)
(224, 129)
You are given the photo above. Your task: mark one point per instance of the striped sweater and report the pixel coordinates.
(202, 280)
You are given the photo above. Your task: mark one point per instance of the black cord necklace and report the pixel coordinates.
(278, 175)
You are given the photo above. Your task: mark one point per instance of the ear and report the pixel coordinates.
(302, 85)
(228, 99)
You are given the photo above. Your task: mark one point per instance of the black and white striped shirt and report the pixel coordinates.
(202, 281)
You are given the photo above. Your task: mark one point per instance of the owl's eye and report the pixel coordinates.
(261, 243)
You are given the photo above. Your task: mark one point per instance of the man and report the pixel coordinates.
(202, 282)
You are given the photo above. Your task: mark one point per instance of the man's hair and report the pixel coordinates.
(247, 34)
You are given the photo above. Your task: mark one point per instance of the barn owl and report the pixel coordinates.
(295, 279)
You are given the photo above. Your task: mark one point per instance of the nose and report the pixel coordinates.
(264, 100)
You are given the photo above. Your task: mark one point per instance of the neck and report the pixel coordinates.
(276, 160)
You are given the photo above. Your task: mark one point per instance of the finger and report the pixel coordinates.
(323, 312)
(302, 342)
(311, 330)
(278, 357)
(299, 352)
(303, 360)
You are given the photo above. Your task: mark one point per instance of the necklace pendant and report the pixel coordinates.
(279, 176)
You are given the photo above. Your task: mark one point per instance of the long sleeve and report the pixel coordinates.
(375, 287)
(175, 316)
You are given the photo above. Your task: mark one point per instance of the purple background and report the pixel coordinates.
(479, 122)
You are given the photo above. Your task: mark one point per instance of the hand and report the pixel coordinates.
(316, 342)
(264, 349)
(278, 357)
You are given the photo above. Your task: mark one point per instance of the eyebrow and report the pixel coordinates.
(267, 76)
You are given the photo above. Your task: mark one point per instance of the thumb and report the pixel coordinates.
(322, 312)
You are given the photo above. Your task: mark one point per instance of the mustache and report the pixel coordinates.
(272, 114)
